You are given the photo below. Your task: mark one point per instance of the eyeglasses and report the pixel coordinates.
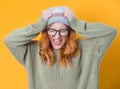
(62, 32)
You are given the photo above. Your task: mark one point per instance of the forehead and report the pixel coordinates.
(57, 26)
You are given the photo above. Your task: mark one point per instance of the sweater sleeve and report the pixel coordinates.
(102, 35)
(18, 40)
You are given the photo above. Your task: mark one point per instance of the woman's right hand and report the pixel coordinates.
(46, 14)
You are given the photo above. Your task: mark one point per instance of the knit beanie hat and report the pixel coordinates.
(58, 15)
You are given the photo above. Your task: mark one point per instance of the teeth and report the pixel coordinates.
(57, 40)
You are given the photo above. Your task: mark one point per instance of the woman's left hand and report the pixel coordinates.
(68, 13)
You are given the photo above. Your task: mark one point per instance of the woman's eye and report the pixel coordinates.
(63, 31)
(52, 31)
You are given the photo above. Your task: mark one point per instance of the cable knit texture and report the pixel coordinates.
(85, 71)
(58, 15)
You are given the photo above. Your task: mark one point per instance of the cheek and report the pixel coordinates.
(50, 38)
(65, 39)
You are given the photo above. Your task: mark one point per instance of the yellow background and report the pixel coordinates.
(19, 13)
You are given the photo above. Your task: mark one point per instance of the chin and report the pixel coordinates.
(57, 47)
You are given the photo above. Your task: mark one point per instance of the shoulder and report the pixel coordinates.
(86, 44)
(85, 41)
(33, 45)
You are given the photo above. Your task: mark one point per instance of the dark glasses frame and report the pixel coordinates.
(59, 31)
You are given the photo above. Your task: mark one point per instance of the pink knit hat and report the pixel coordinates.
(58, 15)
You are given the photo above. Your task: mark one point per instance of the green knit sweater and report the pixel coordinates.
(85, 71)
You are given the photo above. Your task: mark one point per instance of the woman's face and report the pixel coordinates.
(58, 34)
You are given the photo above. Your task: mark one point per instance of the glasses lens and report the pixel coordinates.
(51, 32)
(64, 32)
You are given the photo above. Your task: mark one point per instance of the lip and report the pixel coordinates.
(57, 43)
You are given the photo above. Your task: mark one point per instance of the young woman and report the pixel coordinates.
(60, 60)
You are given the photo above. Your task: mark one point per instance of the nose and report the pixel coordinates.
(57, 35)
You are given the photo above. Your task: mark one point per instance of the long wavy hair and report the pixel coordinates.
(70, 50)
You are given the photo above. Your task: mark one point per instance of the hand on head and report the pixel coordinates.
(46, 14)
(68, 13)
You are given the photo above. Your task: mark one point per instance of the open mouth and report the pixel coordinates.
(57, 42)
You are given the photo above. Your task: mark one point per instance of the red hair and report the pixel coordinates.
(69, 50)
